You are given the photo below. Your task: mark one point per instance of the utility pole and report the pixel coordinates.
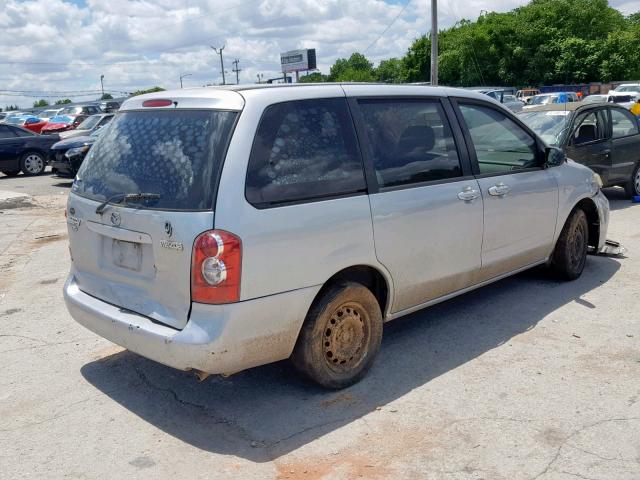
(102, 86)
(237, 70)
(182, 76)
(219, 52)
(434, 42)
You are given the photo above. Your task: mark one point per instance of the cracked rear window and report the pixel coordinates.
(174, 153)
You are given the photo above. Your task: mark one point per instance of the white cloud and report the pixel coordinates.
(64, 46)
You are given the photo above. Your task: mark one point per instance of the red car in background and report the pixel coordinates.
(30, 122)
(35, 124)
(62, 123)
(69, 118)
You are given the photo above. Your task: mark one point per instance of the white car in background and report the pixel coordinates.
(627, 88)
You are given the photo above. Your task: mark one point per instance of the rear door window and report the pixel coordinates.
(411, 141)
(174, 153)
(304, 150)
(622, 123)
(6, 132)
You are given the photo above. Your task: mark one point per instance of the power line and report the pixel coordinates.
(388, 27)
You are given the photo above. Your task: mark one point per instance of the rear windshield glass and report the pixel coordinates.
(175, 154)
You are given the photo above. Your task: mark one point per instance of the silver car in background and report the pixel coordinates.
(217, 229)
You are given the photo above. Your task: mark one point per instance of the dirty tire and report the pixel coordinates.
(570, 254)
(32, 163)
(632, 188)
(11, 173)
(340, 337)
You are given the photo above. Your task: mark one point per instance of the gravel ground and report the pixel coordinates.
(524, 379)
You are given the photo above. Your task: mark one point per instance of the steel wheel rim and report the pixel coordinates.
(577, 242)
(33, 163)
(345, 337)
(637, 182)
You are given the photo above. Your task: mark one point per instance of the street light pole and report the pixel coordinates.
(434, 42)
(219, 52)
(102, 86)
(182, 76)
(237, 70)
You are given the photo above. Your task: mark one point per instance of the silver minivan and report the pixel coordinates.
(217, 229)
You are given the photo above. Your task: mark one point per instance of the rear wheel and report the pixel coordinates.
(570, 254)
(32, 163)
(633, 187)
(11, 173)
(340, 337)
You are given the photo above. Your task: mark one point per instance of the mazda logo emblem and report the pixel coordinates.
(115, 219)
(168, 229)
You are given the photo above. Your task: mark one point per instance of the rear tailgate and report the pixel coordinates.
(136, 253)
(139, 260)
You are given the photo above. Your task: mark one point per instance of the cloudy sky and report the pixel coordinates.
(65, 45)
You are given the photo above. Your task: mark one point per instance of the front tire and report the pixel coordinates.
(570, 254)
(32, 163)
(11, 173)
(340, 337)
(632, 188)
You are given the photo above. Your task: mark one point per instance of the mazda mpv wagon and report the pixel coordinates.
(218, 229)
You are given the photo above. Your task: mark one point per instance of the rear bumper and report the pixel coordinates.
(216, 339)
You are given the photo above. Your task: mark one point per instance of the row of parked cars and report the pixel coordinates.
(626, 95)
(58, 137)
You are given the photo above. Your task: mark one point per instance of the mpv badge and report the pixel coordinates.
(115, 219)
(168, 229)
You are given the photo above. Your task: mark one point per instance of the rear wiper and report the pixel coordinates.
(125, 197)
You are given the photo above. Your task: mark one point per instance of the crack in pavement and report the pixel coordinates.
(236, 429)
(573, 435)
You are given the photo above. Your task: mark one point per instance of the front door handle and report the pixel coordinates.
(468, 194)
(499, 190)
(606, 153)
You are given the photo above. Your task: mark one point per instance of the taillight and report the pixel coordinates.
(216, 264)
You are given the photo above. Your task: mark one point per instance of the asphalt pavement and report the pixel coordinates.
(528, 378)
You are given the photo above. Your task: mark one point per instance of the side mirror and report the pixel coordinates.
(554, 157)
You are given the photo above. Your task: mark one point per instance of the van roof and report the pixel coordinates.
(233, 97)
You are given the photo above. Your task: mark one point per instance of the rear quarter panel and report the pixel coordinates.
(289, 247)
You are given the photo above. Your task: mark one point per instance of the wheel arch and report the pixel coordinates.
(369, 276)
(588, 206)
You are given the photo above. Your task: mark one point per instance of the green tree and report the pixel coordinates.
(390, 71)
(149, 90)
(106, 96)
(315, 77)
(40, 103)
(357, 68)
(63, 102)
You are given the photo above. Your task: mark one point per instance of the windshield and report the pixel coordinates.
(48, 113)
(174, 153)
(90, 122)
(628, 88)
(595, 99)
(61, 119)
(70, 111)
(544, 99)
(14, 120)
(622, 98)
(548, 125)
